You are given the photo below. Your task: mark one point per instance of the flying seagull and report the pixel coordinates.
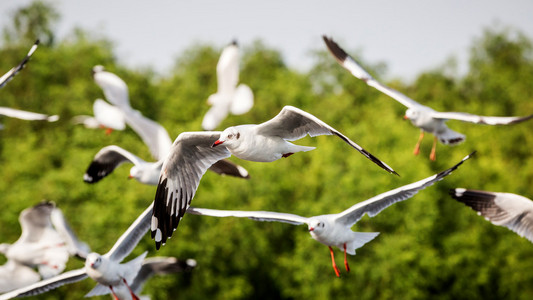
(11, 73)
(423, 117)
(110, 157)
(106, 116)
(111, 275)
(503, 209)
(229, 97)
(334, 230)
(193, 152)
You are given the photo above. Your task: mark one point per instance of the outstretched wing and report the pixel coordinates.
(264, 216)
(107, 160)
(75, 246)
(190, 157)
(488, 120)
(503, 209)
(228, 69)
(26, 115)
(353, 67)
(11, 73)
(378, 203)
(293, 123)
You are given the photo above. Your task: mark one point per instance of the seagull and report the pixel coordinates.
(159, 266)
(110, 157)
(14, 275)
(111, 275)
(229, 97)
(423, 117)
(193, 152)
(334, 230)
(11, 73)
(105, 116)
(503, 209)
(115, 89)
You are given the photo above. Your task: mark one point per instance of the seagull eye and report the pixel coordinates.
(230, 136)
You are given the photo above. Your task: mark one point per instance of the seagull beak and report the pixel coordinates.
(311, 229)
(216, 143)
(405, 118)
(130, 177)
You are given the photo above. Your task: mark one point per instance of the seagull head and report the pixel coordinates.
(316, 226)
(98, 68)
(93, 261)
(135, 172)
(228, 137)
(411, 114)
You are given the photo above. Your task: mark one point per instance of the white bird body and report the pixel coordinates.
(14, 275)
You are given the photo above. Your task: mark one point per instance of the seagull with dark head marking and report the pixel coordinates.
(193, 152)
(423, 117)
(334, 230)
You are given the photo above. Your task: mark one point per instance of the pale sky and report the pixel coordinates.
(409, 36)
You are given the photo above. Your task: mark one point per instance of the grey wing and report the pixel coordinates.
(26, 115)
(159, 266)
(488, 120)
(107, 160)
(353, 67)
(75, 246)
(226, 167)
(190, 157)
(264, 216)
(152, 133)
(35, 220)
(11, 73)
(129, 239)
(47, 285)
(376, 204)
(503, 209)
(293, 123)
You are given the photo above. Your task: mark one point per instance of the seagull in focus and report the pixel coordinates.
(423, 117)
(193, 152)
(106, 116)
(503, 209)
(334, 230)
(111, 276)
(11, 73)
(159, 266)
(230, 97)
(111, 157)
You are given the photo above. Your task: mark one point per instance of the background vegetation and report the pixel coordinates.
(430, 247)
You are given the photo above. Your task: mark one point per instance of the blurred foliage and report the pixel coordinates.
(429, 247)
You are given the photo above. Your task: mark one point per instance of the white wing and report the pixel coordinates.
(488, 120)
(228, 69)
(26, 115)
(114, 88)
(152, 133)
(11, 73)
(129, 239)
(108, 115)
(503, 209)
(293, 123)
(378, 203)
(107, 160)
(190, 157)
(35, 221)
(75, 246)
(353, 67)
(243, 100)
(265, 216)
(216, 114)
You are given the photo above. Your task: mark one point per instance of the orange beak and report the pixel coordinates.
(405, 118)
(311, 229)
(216, 143)
(130, 177)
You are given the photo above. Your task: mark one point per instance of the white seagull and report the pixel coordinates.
(334, 230)
(503, 209)
(193, 152)
(106, 116)
(110, 157)
(111, 275)
(115, 89)
(159, 266)
(11, 73)
(423, 117)
(229, 97)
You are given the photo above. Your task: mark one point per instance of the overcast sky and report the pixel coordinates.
(409, 36)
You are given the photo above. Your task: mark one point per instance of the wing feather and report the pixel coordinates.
(264, 216)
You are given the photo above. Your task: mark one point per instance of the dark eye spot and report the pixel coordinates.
(230, 136)
(238, 135)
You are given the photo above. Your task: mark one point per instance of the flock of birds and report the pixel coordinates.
(47, 240)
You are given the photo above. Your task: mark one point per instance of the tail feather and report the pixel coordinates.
(359, 240)
(450, 137)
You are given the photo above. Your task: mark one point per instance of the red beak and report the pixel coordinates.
(311, 229)
(130, 177)
(405, 118)
(216, 143)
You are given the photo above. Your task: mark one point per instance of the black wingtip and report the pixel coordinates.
(334, 48)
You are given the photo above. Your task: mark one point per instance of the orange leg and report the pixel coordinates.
(346, 260)
(113, 292)
(417, 147)
(433, 154)
(133, 296)
(333, 262)
(108, 131)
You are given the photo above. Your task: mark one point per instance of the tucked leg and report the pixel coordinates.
(287, 154)
(433, 154)
(417, 146)
(333, 262)
(108, 131)
(346, 260)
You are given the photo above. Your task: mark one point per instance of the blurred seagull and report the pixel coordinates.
(11, 73)
(159, 266)
(14, 275)
(110, 157)
(423, 117)
(111, 275)
(229, 97)
(193, 152)
(503, 209)
(106, 116)
(115, 89)
(334, 230)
